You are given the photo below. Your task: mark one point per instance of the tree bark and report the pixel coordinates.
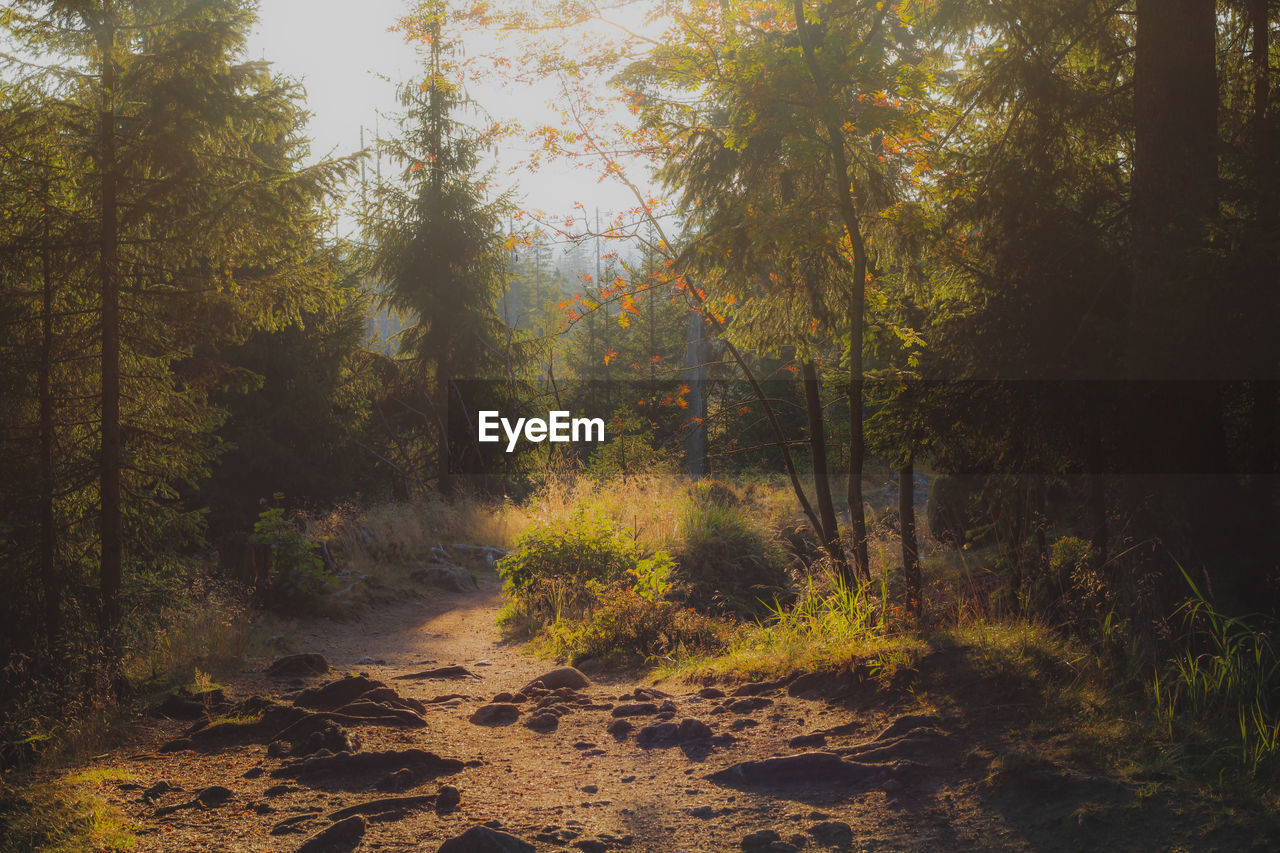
(111, 461)
(444, 452)
(821, 475)
(1259, 57)
(842, 188)
(910, 546)
(1174, 182)
(48, 531)
(696, 364)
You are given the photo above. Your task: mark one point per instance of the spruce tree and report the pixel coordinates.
(439, 257)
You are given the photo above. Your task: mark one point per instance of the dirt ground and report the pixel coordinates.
(891, 774)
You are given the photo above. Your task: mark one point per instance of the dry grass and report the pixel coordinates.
(213, 635)
(393, 536)
(64, 815)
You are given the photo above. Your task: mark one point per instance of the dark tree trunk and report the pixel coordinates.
(910, 547)
(1174, 180)
(444, 451)
(1098, 520)
(1018, 540)
(1177, 329)
(848, 207)
(48, 570)
(821, 472)
(857, 442)
(1259, 55)
(111, 459)
(1042, 523)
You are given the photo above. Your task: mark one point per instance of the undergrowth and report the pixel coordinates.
(1224, 677)
(64, 815)
(832, 626)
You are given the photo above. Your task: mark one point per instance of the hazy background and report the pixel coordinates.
(350, 62)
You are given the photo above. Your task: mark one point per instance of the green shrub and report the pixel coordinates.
(627, 625)
(558, 570)
(297, 572)
(724, 563)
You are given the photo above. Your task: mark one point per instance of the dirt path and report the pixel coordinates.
(892, 777)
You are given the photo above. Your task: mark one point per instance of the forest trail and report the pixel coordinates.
(882, 774)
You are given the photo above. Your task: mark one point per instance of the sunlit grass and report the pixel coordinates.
(65, 815)
(832, 627)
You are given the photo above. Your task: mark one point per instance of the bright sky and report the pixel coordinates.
(350, 65)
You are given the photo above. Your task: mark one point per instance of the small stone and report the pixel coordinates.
(711, 693)
(590, 789)
(497, 714)
(543, 722)
(486, 838)
(620, 728)
(214, 795)
(702, 812)
(338, 836)
(565, 676)
(832, 833)
(635, 709)
(397, 780)
(303, 665)
(448, 798)
(658, 733)
(803, 741)
(760, 840)
(692, 729)
(157, 791)
(748, 704)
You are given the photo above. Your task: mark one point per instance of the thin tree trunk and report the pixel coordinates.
(48, 531)
(111, 460)
(788, 462)
(444, 453)
(842, 187)
(1042, 522)
(1018, 541)
(1259, 56)
(821, 474)
(696, 363)
(910, 545)
(1098, 519)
